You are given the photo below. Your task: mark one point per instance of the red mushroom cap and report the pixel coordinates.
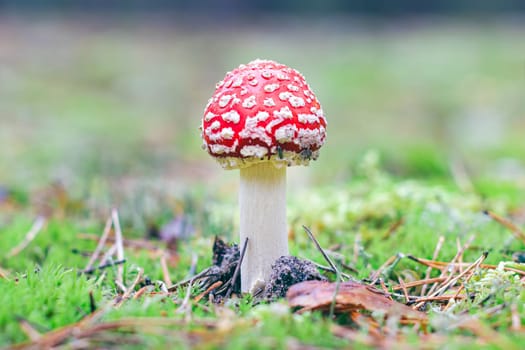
(263, 111)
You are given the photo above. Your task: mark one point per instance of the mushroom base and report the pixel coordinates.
(262, 204)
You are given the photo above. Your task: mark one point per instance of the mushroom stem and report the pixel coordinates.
(262, 202)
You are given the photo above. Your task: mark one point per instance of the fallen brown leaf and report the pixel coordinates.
(351, 296)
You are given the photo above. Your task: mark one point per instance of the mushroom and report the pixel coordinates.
(262, 118)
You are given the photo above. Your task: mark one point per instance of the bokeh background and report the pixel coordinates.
(112, 92)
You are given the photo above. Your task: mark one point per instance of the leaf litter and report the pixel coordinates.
(375, 311)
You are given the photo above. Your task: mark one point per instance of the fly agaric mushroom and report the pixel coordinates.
(262, 118)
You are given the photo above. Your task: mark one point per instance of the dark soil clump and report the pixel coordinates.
(225, 255)
(225, 260)
(287, 271)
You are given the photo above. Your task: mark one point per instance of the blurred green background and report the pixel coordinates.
(84, 98)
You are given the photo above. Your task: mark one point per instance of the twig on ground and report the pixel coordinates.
(119, 244)
(423, 300)
(184, 305)
(447, 284)
(130, 289)
(326, 257)
(147, 324)
(162, 287)
(329, 269)
(207, 291)
(131, 243)
(107, 256)
(203, 274)
(140, 292)
(403, 288)
(28, 329)
(423, 283)
(37, 226)
(192, 278)
(60, 335)
(100, 245)
(387, 263)
(440, 265)
(105, 266)
(465, 280)
(460, 254)
(349, 268)
(165, 272)
(121, 286)
(455, 296)
(515, 230)
(439, 245)
(453, 265)
(384, 288)
(237, 269)
(473, 266)
(338, 281)
(393, 228)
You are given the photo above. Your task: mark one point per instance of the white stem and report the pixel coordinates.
(262, 202)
